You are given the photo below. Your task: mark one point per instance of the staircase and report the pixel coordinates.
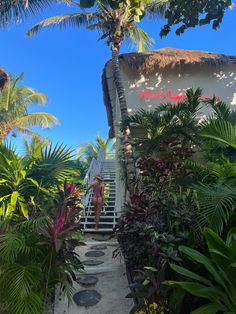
(109, 215)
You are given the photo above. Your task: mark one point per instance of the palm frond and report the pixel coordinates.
(30, 133)
(34, 147)
(35, 98)
(41, 119)
(156, 8)
(71, 20)
(12, 11)
(31, 303)
(216, 205)
(141, 39)
(53, 167)
(220, 131)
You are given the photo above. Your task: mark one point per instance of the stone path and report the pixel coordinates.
(102, 287)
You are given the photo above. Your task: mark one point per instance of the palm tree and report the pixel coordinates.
(89, 150)
(170, 127)
(18, 10)
(34, 147)
(14, 116)
(115, 24)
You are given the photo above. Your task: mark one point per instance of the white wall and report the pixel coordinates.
(219, 81)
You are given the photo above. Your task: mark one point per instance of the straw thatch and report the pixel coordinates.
(162, 60)
(4, 78)
(171, 59)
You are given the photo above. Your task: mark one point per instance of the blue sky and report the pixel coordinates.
(66, 65)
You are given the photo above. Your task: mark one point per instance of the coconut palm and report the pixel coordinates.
(115, 24)
(14, 116)
(90, 150)
(34, 147)
(17, 10)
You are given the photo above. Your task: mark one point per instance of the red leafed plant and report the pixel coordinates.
(65, 219)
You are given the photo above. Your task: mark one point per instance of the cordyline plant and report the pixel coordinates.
(66, 216)
(36, 256)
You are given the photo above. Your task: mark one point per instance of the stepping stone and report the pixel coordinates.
(94, 254)
(99, 247)
(87, 298)
(101, 237)
(91, 262)
(87, 281)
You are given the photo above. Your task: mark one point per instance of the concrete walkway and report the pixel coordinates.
(112, 284)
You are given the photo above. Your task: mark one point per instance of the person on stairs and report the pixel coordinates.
(98, 197)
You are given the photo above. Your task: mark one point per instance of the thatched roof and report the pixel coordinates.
(171, 58)
(165, 59)
(4, 77)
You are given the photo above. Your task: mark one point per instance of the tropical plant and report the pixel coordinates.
(35, 256)
(216, 206)
(34, 147)
(217, 283)
(170, 127)
(214, 173)
(116, 23)
(27, 183)
(178, 12)
(183, 15)
(90, 150)
(14, 11)
(14, 116)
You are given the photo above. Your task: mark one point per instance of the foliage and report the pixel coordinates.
(183, 14)
(34, 147)
(217, 284)
(14, 115)
(27, 183)
(35, 255)
(187, 13)
(12, 11)
(115, 21)
(171, 128)
(90, 150)
(186, 182)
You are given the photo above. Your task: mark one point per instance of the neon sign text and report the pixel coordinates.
(168, 95)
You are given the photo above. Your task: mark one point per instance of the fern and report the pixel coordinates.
(217, 205)
(221, 131)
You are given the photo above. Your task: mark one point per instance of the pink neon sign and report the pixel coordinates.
(168, 95)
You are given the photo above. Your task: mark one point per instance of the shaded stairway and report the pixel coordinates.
(109, 216)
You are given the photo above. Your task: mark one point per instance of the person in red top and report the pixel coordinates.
(98, 198)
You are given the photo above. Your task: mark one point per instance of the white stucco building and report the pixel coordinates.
(164, 75)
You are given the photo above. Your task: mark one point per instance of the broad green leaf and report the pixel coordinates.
(210, 308)
(14, 198)
(231, 242)
(199, 290)
(24, 207)
(12, 205)
(5, 197)
(187, 273)
(214, 242)
(200, 258)
(34, 182)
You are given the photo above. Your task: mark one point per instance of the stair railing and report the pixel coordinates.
(93, 170)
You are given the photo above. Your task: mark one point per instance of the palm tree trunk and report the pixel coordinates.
(129, 159)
